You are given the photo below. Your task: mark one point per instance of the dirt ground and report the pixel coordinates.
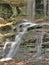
(15, 62)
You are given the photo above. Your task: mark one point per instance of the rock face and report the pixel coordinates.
(5, 10)
(13, 1)
(2, 21)
(1, 39)
(6, 7)
(4, 30)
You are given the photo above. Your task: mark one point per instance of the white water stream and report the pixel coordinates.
(15, 45)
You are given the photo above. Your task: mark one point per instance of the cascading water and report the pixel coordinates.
(39, 42)
(14, 46)
(37, 56)
(30, 10)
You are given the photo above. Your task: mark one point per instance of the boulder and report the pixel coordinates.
(2, 21)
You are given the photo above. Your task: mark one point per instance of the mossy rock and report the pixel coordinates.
(5, 11)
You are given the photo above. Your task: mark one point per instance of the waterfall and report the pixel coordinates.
(33, 9)
(14, 46)
(39, 42)
(45, 4)
(48, 7)
(30, 9)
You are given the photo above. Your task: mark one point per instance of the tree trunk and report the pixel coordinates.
(33, 9)
(45, 5)
(29, 2)
(30, 9)
(48, 7)
(14, 10)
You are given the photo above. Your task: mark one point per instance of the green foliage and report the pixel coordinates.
(5, 11)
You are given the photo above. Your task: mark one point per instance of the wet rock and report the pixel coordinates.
(2, 39)
(2, 21)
